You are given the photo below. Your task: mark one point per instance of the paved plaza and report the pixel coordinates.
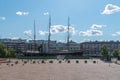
(60, 71)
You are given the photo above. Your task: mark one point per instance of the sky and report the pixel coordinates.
(90, 20)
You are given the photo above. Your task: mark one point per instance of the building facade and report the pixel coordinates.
(93, 48)
(56, 47)
(44, 43)
(18, 45)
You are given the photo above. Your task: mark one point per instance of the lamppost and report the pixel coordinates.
(9, 56)
(109, 58)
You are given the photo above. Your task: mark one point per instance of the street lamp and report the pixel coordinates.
(9, 55)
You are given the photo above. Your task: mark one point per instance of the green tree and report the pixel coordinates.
(40, 48)
(104, 51)
(116, 53)
(3, 51)
(12, 53)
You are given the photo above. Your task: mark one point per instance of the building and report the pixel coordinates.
(18, 45)
(56, 47)
(93, 48)
(30, 45)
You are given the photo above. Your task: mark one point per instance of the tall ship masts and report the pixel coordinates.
(68, 37)
(49, 35)
(34, 36)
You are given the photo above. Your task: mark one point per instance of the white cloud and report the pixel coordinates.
(91, 32)
(43, 33)
(62, 29)
(72, 30)
(12, 36)
(96, 26)
(15, 38)
(28, 32)
(116, 33)
(2, 18)
(85, 40)
(110, 9)
(55, 29)
(63, 41)
(58, 28)
(46, 13)
(20, 13)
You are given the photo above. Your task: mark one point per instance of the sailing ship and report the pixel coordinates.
(62, 52)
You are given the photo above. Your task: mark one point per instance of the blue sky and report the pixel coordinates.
(89, 19)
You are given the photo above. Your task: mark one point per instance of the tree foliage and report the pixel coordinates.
(3, 51)
(104, 51)
(12, 53)
(116, 53)
(40, 48)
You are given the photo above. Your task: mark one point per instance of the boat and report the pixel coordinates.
(63, 52)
